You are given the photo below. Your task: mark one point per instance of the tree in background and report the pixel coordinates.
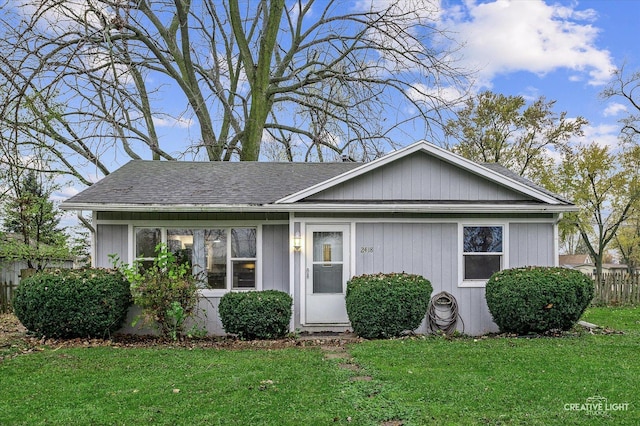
(495, 128)
(627, 242)
(32, 221)
(316, 78)
(626, 86)
(605, 185)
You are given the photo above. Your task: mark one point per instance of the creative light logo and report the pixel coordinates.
(597, 406)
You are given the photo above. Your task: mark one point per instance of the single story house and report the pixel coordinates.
(584, 264)
(306, 228)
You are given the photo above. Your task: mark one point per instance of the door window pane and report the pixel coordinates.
(327, 279)
(327, 247)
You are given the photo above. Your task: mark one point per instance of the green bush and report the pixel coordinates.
(538, 299)
(256, 314)
(73, 303)
(385, 305)
(166, 291)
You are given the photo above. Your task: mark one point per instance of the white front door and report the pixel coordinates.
(326, 275)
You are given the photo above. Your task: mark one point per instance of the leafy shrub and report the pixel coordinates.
(256, 314)
(167, 292)
(385, 305)
(538, 299)
(73, 303)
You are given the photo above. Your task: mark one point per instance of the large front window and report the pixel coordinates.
(221, 258)
(482, 251)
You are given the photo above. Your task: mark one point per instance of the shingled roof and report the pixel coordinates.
(513, 175)
(235, 186)
(230, 183)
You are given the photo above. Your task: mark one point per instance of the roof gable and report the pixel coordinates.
(418, 177)
(445, 177)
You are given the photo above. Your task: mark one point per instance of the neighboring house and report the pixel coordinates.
(571, 260)
(584, 264)
(306, 228)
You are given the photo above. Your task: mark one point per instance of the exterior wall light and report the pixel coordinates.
(297, 241)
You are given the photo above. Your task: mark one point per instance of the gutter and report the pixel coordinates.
(85, 222)
(328, 208)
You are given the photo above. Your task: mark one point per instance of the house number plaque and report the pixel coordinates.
(366, 249)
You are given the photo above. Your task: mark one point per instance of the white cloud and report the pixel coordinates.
(601, 134)
(428, 95)
(506, 36)
(64, 193)
(181, 123)
(613, 109)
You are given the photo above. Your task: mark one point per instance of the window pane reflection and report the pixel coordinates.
(243, 242)
(327, 247)
(146, 241)
(216, 255)
(244, 274)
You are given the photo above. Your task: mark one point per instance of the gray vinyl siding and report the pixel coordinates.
(427, 249)
(275, 257)
(419, 177)
(110, 239)
(531, 244)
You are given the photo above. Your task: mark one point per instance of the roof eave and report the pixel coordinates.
(329, 207)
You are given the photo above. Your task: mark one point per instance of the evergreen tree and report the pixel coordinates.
(32, 217)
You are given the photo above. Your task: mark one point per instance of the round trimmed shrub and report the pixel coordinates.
(385, 305)
(73, 303)
(538, 299)
(256, 314)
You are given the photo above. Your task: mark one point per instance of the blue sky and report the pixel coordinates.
(563, 50)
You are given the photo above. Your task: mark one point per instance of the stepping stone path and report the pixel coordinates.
(336, 350)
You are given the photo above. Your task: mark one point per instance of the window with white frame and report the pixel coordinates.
(147, 239)
(482, 251)
(221, 258)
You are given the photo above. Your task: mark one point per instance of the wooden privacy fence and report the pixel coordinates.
(6, 294)
(617, 288)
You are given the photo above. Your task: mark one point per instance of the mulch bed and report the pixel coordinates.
(14, 340)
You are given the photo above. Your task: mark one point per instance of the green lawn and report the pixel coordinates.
(625, 319)
(419, 381)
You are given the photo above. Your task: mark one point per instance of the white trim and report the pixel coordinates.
(190, 223)
(308, 251)
(462, 283)
(318, 219)
(369, 207)
(302, 272)
(200, 224)
(435, 151)
(259, 261)
(94, 239)
(292, 272)
(216, 293)
(131, 243)
(556, 240)
(352, 249)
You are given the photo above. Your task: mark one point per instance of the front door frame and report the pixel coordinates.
(307, 229)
